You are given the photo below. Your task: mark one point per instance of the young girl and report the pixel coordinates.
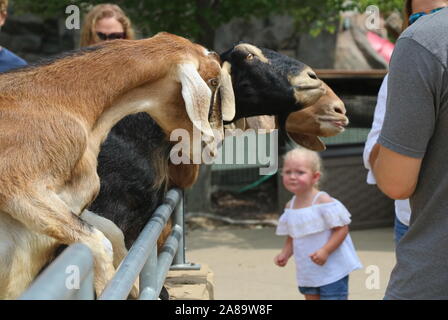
(317, 229)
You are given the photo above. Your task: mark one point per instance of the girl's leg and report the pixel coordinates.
(312, 297)
(310, 293)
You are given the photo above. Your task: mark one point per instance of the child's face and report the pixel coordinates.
(298, 175)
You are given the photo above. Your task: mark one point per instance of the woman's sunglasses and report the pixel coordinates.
(414, 17)
(111, 36)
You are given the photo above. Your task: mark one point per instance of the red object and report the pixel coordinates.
(382, 46)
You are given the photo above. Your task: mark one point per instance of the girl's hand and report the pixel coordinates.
(281, 259)
(320, 256)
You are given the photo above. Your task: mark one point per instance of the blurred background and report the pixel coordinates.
(348, 43)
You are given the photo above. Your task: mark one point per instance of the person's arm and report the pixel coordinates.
(337, 237)
(396, 174)
(374, 155)
(282, 258)
(414, 87)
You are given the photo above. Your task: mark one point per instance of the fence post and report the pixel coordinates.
(121, 284)
(164, 261)
(148, 275)
(179, 262)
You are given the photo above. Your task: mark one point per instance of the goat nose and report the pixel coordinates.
(312, 75)
(339, 108)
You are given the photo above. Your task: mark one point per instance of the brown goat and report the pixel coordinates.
(325, 118)
(53, 119)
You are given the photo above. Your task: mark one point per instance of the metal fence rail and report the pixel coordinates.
(69, 277)
(142, 260)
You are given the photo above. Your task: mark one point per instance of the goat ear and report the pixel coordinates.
(227, 95)
(308, 141)
(197, 97)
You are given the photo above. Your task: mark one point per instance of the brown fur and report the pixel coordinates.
(54, 118)
(320, 119)
(303, 126)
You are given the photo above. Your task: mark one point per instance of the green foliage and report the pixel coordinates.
(198, 19)
(385, 6)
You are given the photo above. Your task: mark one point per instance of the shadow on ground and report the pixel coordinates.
(264, 238)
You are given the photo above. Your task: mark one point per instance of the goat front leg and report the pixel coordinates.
(111, 231)
(45, 213)
(116, 237)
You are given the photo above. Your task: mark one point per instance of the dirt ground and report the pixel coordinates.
(241, 255)
(257, 203)
(241, 260)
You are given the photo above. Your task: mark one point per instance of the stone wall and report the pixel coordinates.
(278, 33)
(33, 38)
(345, 49)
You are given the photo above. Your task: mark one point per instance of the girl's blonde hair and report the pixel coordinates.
(313, 158)
(98, 12)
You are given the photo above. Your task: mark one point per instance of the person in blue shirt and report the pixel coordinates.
(8, 60)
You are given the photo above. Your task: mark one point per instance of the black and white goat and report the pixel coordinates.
(133, 164)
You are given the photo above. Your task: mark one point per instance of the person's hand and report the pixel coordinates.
(320, 256)
(281, 259)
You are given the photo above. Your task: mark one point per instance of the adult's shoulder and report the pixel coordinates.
(429, 32)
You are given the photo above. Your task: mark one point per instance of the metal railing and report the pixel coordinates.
(70, 276)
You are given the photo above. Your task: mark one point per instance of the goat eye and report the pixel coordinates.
(214, 82)
(250, 56)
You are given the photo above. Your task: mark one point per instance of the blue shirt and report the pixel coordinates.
(9, 60)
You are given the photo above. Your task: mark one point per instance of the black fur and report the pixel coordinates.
(263, 88)
(125, 163)
(127, 173)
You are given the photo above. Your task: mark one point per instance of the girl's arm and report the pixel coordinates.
(337, 237)
(282, 258)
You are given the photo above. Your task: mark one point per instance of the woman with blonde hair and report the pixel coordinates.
(105, 22)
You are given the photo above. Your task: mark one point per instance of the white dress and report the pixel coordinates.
(310, 229)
